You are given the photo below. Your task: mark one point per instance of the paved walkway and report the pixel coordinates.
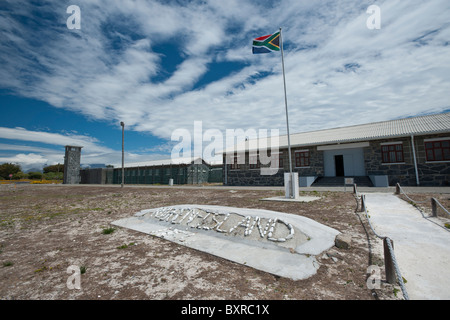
(421, 245)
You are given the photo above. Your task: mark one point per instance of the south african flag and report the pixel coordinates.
(267, 43)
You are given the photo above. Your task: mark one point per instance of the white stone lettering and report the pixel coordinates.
(226, 222)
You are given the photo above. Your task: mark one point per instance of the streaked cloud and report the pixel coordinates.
(338, 71)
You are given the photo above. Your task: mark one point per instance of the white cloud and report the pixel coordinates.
(5, 146)
(26, 161)
(86, 71)
(88, 143)
(31, 156)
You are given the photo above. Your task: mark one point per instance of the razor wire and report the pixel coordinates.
(389, 245)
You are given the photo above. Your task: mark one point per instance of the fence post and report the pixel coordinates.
(388, 261)
(363, 202)
(397, 188)
(433, 207)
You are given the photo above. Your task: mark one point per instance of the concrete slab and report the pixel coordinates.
(297, 199)
(421, 246)
(278, 243)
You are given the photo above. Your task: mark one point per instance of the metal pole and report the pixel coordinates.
(415, 160)
(287, 120)
(123, 158)
(225, 168)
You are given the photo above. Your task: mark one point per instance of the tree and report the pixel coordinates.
(8, 168)
(54, 176)
(54, 168)
(34, 175)
(19, 175)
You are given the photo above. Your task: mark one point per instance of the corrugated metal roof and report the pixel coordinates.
(162, 162)
(165, 162)
(436, 123)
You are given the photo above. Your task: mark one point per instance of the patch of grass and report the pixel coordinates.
(125, 246)
(447, 225)
(40, 269)
(83, 269)
(395, 291)
(8, 263)
(108, 230)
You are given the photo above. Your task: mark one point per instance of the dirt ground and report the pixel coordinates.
(45, 229)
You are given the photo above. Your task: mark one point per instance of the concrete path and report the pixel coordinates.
(421, 246)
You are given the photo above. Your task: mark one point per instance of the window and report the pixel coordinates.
(279, 160)
(235, 165)
(253, 161)
(437, 150)
(392, 153)
(302, 159)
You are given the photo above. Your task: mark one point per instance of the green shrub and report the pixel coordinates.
(108, 230)
(19, 175)
(35, 175)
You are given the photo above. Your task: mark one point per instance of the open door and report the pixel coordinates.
(339, 165)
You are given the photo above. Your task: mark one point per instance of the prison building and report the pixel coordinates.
(181, 171)
(97, 176)
(412, 151)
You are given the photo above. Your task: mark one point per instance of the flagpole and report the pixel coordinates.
(287, 120)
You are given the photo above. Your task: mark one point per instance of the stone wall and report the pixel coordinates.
(96, 176)
(430, 174)
(252, 177)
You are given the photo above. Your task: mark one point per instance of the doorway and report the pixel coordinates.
(339, 165)
(343, 161)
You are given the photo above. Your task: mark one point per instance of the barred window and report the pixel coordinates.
(235, 165)
(437, 150)
(392, 153)
(254, 162)
(301, 159)
(280, 161)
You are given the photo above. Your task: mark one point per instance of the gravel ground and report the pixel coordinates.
(46, 230)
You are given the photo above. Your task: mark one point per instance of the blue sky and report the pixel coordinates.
(161, 65)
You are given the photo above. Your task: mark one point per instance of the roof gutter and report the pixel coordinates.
(415, 160)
